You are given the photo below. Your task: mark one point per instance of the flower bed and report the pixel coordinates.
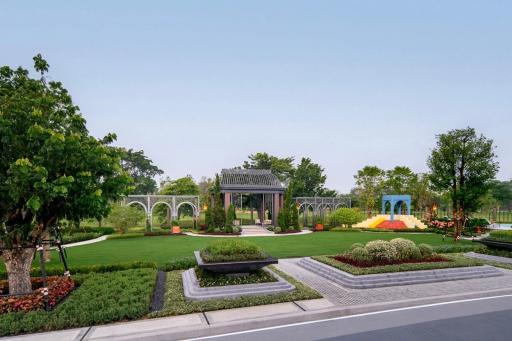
(453, 261)
(176, 304)
(392, 225)
(209, 279)
(370, 263)
(58, 288)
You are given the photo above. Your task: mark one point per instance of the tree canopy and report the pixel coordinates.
(463, 164)
(141, 169)
(51, 168)
(281, 167)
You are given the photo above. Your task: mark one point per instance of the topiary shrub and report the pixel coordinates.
(360, 254)
(277, 229)
(381, 250)
(216, 230)
(405, 249)
(426, 250)
(356, 245)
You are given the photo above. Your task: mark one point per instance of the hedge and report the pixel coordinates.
(80, 236)
(101, 298)
(126, 235)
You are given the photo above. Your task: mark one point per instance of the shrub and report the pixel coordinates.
(230, 216)
(236, 229)
(179, 264)
(360, 254)
(175, 223)
(426, 250)
(228, 229)
(405, 248)
(356, 245)
(348, 216)
(458, 248)
(381, 250)
(232, 249)
(502, 236)
(124, 217)
(217, 230)
(277, 229)
(125, 236)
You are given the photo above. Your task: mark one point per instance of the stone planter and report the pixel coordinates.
(233, 267)
(496, 244)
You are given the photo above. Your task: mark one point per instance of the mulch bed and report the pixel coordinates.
(220, 234)
(369, 264)
(287, 232)
(158, 298)
(156, 234)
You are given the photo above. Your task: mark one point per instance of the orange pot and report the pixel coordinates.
(176, 229)
(319, 227)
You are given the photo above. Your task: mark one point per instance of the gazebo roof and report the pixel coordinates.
(250, 181)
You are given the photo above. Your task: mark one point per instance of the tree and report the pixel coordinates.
(51, 168)
(500, 194)
(215, 212)
(205, 186)
(230, 216)
(369, 181)
(463, 164)
(285, 218)
(124, 217)
(348, 216)
(141, 169)
(280, 167)
(181, 186)
(400, 180)
(309, 179)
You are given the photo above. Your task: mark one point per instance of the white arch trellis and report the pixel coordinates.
(173, 202)
(319, 205)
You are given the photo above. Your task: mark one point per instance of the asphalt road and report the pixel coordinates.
(487, 319)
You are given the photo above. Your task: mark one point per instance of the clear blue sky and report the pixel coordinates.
(199, 85)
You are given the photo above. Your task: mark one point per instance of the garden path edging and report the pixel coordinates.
(193, 291)
(396, 278)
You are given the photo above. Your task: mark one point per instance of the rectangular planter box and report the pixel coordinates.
(233, 267)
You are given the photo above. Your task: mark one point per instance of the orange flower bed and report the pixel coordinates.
(58, 288)
(392, 225)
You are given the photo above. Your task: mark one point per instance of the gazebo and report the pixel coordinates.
(261, 184)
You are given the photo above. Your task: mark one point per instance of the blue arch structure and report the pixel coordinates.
(396, 200)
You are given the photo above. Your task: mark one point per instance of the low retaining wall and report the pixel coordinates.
(396, 278)
(193, 291)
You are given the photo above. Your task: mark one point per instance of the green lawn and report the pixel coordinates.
(162, 249)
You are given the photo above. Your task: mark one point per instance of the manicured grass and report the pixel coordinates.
(166, 248)
(101, 298)
(175, 303)
(455, 261)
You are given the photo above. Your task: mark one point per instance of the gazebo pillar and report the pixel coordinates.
(277, 207)
(227, 201)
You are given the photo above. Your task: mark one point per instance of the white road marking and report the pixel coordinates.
(351, 316)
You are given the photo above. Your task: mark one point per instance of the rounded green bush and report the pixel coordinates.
(356, 245)
(360, 254)
(277, 229)
(236, 229)
(381, 250)
(216, 230)
(426, 250)
(406, 249)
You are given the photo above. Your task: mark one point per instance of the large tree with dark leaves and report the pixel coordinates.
(463, 164)
(50, 167)
(141, 169)
(280, 167)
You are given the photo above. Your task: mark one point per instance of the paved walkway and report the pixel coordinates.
(481, 256)
(253, 233)
(344, 296)
(85, 242)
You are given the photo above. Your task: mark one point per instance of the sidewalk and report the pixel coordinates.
(235, 320)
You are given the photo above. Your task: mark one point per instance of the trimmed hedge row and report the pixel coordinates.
(126, 297)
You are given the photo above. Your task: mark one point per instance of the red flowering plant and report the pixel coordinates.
(58, 288)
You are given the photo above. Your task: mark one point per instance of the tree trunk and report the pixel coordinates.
(18, 263)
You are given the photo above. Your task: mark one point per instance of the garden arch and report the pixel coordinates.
(394, 201)
(173, 202)
(320, 205)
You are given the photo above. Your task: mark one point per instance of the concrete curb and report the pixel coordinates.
(397, 278)
(177, 333)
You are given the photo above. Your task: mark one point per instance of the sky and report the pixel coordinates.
(200, 85)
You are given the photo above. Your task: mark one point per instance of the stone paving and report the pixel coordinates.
(344, 296)
(480, 256)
